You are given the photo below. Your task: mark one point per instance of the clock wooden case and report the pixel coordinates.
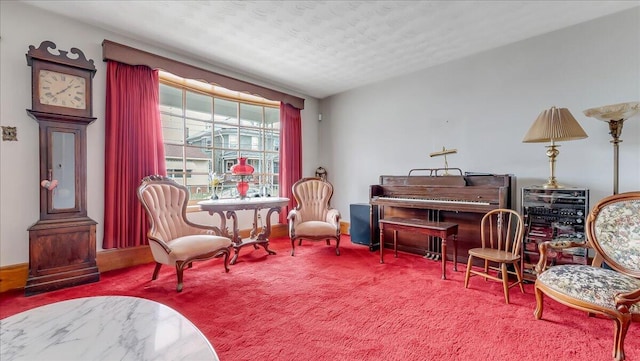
(62, 243)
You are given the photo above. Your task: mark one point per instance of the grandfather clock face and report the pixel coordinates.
(60, 84)
(62, 90)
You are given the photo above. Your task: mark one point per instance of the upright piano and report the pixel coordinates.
(428, 194)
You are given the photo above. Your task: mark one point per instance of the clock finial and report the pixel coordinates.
(44, 52)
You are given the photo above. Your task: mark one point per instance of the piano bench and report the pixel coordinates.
(442, 230)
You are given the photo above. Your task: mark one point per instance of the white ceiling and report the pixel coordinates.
(320, 48)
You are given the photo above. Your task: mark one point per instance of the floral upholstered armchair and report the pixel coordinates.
(613, 230)
(313, 218)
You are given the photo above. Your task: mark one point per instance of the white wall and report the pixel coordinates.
(481, 105)
(22, 26)
(484, 104)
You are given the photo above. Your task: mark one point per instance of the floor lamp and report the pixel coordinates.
(615, 115)
(551, 126)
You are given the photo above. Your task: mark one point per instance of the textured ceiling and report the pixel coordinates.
(320, 48)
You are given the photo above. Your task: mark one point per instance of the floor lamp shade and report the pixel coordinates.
(615, 115)
(554, 125)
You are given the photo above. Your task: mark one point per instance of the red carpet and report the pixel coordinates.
(319, 306)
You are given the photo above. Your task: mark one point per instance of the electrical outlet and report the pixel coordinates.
(9, 133)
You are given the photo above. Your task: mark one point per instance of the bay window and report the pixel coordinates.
(207, 128)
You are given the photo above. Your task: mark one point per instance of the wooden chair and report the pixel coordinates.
(313, 218)
(613, 230)
(501, 234)
(173, 239)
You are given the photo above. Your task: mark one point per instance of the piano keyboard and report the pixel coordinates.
(426, 200)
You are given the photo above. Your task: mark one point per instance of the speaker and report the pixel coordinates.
(360, 224)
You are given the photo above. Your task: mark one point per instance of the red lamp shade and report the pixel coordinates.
(242, 168)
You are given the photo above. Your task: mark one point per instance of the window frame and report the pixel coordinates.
(265, 180)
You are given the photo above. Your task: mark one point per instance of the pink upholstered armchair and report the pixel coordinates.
(173, 239)
(313, 218)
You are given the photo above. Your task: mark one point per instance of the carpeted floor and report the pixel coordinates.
(319, 306)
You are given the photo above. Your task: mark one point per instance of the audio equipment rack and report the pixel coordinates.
(553, 215)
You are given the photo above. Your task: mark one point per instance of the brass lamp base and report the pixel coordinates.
(552, 184)
(552, 153)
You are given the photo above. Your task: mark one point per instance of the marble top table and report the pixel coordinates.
(102, 328)
(226, 209)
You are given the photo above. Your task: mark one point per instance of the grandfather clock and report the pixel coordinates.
(62, 244)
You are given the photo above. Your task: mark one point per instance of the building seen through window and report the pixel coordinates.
(207, 128)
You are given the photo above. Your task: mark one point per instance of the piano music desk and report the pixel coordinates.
(441, 230)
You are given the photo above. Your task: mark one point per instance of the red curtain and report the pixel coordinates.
(133, 150)
(290, 154)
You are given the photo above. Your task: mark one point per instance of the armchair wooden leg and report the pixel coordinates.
(621, 327)
(179, 271)
(293, 247)
(539, 304)
(156, 271)
(337, 246)
(226, 261)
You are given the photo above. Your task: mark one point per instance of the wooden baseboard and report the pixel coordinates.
(344, 227)
(278, 231)
(113, 259)
(15, 276)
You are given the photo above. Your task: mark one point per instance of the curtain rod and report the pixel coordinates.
(132, 56)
